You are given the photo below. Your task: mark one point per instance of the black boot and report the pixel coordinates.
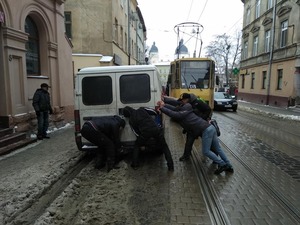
(100, 161)
(110, 164)
(170, 166)
(184, 158)
(135, 165)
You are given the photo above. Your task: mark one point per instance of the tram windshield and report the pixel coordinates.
(195, 74)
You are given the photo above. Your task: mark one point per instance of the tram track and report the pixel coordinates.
(279, 197)
(214, 204)
(38, 206)
(256, 124)
(216, 210)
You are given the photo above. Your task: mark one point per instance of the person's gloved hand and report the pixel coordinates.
(38, 113)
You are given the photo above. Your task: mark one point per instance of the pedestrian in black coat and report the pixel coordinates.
(104, 132)
(42, 107)
(144, 127)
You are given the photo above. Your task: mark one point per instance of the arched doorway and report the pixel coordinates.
(3, 118)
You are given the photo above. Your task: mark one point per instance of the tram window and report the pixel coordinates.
(195, 74)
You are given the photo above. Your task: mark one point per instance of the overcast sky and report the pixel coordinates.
(216, 16)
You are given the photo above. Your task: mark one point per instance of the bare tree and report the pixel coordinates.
(225, 51)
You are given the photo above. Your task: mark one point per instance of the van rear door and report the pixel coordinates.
(97, 95)
(134, 89)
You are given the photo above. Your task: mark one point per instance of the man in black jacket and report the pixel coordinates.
(105, 133)
(144, 127)
(42, 107)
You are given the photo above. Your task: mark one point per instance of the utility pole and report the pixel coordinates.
(271, 54)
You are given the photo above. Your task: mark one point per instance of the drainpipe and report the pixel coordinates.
(129, 45)
(271, 53)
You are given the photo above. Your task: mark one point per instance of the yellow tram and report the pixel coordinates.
(192, 75)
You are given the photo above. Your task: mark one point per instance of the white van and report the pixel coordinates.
(105, 91)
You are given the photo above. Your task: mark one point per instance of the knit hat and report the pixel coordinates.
(127, 111)
(45, 85)
(184, 96)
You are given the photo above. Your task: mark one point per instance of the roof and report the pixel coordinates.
(106, 59)
(105, 69)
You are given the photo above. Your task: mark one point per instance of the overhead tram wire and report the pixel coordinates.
(202, 10)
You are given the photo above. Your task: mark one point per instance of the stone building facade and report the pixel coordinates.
(105, 32)
(270, 62)
(33, 50)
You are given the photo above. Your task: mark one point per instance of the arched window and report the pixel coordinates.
(32, 48)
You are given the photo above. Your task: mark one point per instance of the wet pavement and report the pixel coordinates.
(264, 188)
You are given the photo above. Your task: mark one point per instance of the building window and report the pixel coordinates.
(255, 46)
(68, 24)
(283, 34)
(252, 80)
(116, 31)
(267, 40)
(248, 16)
(264, 79)
(245, 52)
(279, 79)
(32, 48)
(269, 4)
(243, 81)
(257, 9)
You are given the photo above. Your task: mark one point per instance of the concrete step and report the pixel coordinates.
(11, 138)
(16, 145)
(5, 131)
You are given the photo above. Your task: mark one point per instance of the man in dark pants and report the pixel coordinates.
(105, 133)
(145, 128)
(202, 110)
(42, 107)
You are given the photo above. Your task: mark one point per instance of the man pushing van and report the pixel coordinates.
(105, 133)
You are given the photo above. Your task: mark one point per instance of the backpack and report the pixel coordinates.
(215, 124)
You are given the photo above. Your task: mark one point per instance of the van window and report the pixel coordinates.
(135, 88)
(97, 90)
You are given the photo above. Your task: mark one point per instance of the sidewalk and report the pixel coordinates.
(291, 113)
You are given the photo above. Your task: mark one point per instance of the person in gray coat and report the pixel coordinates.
(196, 126)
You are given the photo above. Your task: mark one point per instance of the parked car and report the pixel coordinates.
(224, 101)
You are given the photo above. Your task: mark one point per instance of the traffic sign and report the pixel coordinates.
(235, 71)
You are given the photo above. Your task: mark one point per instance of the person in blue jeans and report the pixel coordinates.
(197, 126)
